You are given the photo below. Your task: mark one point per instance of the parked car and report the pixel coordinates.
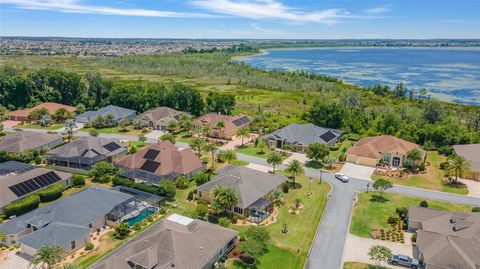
(342, 177)
(404, 260)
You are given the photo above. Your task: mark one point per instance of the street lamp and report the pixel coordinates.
(368, 186)
(321, 174)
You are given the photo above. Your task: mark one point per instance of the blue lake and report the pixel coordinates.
(449, 74)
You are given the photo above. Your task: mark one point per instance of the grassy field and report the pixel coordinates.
(250, 149)
(359, 265)
(52, 127)
(370, 214)
(432, 180)
(129, 130)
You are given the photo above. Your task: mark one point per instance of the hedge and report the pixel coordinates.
(20, 207)
(51, 193)
(78, 181)
(120, 181)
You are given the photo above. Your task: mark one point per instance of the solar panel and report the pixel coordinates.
(328, 136)
(241, 121)
(150, 166)
(151, 154)
(34, 184)
(111, 146)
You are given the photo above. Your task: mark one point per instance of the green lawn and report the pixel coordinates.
(183, 137)
(359, 265)
(52, 127)
(250, 149)
(275, 258)
(129, 130)
(343, 148)
(433, 180)
(370, 214)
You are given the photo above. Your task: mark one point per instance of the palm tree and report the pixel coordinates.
(70, 125)
(206, 129)
(414, 155)
(47, 255)
(295, 168)
(229, 155)
(197, 145)
(459, 167)
(172, 126)
(211, 147)
(243, 132)
(109, 119)
(274, 159)
(220, 126)
(225, 196)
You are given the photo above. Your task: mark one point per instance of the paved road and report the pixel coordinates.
(327, 248)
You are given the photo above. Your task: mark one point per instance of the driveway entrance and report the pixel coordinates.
(357, 171)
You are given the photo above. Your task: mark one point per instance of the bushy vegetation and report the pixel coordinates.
(22, 206)
(78, 181)
(51, 193)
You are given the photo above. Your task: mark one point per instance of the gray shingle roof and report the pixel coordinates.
(249, 184)
(118, 113)
(471, 152)
(304, 134)
(79, 209)
(20, 141)
(189, 245)
(55, 234)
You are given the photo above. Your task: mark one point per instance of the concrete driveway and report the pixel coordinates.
(473, 187)
(357, 171)
(259, 167)
(301, 157)
(11, 260)
(237, 141)
(10, 123)
(154, 135)
(356, 249)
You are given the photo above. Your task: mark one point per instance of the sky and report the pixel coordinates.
(260, 19)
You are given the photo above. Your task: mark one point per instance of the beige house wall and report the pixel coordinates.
(361, 160)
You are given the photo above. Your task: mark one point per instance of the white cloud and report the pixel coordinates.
(269, 9)
(377, 10)
(75, 6)
(261, 29)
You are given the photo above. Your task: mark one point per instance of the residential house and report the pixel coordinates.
(471, 152)
(445, 239)
(232, 124)
(20, 141)
(80, 154)
(118, 113)
(159, 118)
(160, 161)
(299, 136)
(251, 186)
(176, 242)
(68, 222)
(18, 180)
(22, 114)
(386, 149)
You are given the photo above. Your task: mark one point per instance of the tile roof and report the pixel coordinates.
(162, 160)
(12, 173)
(249, 184)
(169, 244)
(471, 152)
(161, 115)
(232, 123)
(50, 106)
(305, 134)
(373, 147)
(448, 239)
(20, 141)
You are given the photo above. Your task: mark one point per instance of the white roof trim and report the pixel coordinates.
(180, 219)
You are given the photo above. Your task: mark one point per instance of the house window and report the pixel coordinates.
(90, 225)
(199, 193)
(72, 244)
(386, 158)
(238, 210)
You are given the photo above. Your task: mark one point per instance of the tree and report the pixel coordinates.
(62, 114)
(274, 159)
(433, 112)
(458, 166)
(220, 126)
(142, 137)
(172, 126)
(261, 145)
(37, 114)
(197, 145)
(45, 120)
(121, 231)
(228, 155)
(166, 188)
(201, 210)
(168, 137)
(382, 185)
(220, 102)
(414, 155)
(93, 132)
(256, 242)
(379, 254)
(102, 171)
(47, 256)
(70, 125)
(317, 151)
(327, 114)
(211, 147)
(243, 132)
(226, 197)
(294, 168)
(2, 237)
(206, 129)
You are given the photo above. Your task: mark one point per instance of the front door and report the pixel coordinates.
(396, 162)
(279, 144)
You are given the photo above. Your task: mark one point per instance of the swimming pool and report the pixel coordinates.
(145, 213)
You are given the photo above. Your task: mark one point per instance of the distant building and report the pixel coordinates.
(232, 124)
(471, 152)
(176, 242)
(21, 115)
(80, 154)
(390, 150)
(159, 118)
(251, 186)
(18, 180)
(299, 136)
(21, 141)
(160, 161)
(445, 239)
(118, 113)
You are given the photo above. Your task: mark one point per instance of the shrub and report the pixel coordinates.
(162, 210)
(121, 231)
(51, 193)
(78, 181)
(392, 220)
(137, 227)
(201, 210)
(422, 167)
(166, 188)
(201, 178)
(150, 218)
(94, 132)
(234, 219)
(285, 187)
(133, 150)
(38, 160)
(88, 246)
(443, 165)
(22, 206)
(414, 237)
(341, 158)
(424, 203)
(182, 182)
(402, 212)
(101, 172)
(476, 209)
(190, 196)
(223, 221)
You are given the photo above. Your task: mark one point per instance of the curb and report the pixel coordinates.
(354, 202)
